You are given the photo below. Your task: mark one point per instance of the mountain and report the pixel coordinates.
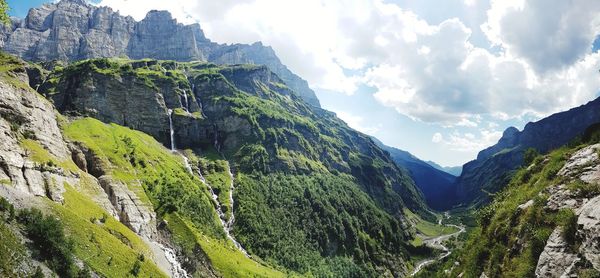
(454, 170)
(495, 165)
(72, 30)
(543, 224)
(250, 169)
(434, 183)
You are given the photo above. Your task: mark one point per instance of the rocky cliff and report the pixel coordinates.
(38, 163)
(319, 176)
(493, 167)
(72, 30)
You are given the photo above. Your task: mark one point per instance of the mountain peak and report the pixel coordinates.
(154, 14)
(80, 2)
(510, 132)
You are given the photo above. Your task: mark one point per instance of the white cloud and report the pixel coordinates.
(549, 34)
(358, 123)
(468, 142)
(470, 3)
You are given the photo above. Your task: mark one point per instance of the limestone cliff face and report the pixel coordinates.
(25, 116)
(36, 160)
(72, 30)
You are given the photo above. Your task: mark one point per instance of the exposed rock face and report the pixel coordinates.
(263, 55)
(24, 113)
(491, 170)
(139, 217)
(558, 258)
(72, 30)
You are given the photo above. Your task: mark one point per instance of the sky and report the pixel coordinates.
(440, 79)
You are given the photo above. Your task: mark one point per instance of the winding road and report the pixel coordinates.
(436, 243)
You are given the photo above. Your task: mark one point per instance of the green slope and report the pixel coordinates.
(508, 240)
(312, 195)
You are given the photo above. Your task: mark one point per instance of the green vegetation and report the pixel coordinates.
(224, 257)
(508, 240)
(39, 154)
(282, 150)
(11, 67)
(179, 197)
(529, 156)
(4, 18)
(108, 247)
(427, 228)
(137, 157)
(12, 251)
(49, 241)
(312, 223)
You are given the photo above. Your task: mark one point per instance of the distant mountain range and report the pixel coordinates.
(494, 166)
(434, 182)
(454, 170)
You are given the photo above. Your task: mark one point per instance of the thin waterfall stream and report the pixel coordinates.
(227, 224)
(176, 269)
(186, 105)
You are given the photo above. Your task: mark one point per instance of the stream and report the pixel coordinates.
(227, 224)
(436, 243)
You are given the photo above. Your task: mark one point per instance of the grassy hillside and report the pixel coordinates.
(512, 231)
(312, 195)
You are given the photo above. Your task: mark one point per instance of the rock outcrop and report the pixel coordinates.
(556, 260)
(560, 259)
(28, 126)
(72, 30)
(136, 215)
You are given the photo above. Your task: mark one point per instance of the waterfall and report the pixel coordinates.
(186, 163)
(176, 268)
(227, 225)
(186, 104)
(232, 216)
(171, 130)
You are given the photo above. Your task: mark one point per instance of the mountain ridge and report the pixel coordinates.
(495, 164)
(433, 182)
(75, 30)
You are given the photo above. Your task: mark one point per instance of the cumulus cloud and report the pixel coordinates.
(358, 123)
(549, 34)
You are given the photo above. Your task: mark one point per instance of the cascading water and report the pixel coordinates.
(171, 130)
(185, 99)
(227, 224)
(176, 269)
(232, 216)
(186, 162)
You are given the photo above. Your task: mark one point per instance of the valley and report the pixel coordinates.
(139, 147)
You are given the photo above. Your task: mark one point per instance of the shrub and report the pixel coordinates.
(567, 219)
(135, 271)
(49, 241)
